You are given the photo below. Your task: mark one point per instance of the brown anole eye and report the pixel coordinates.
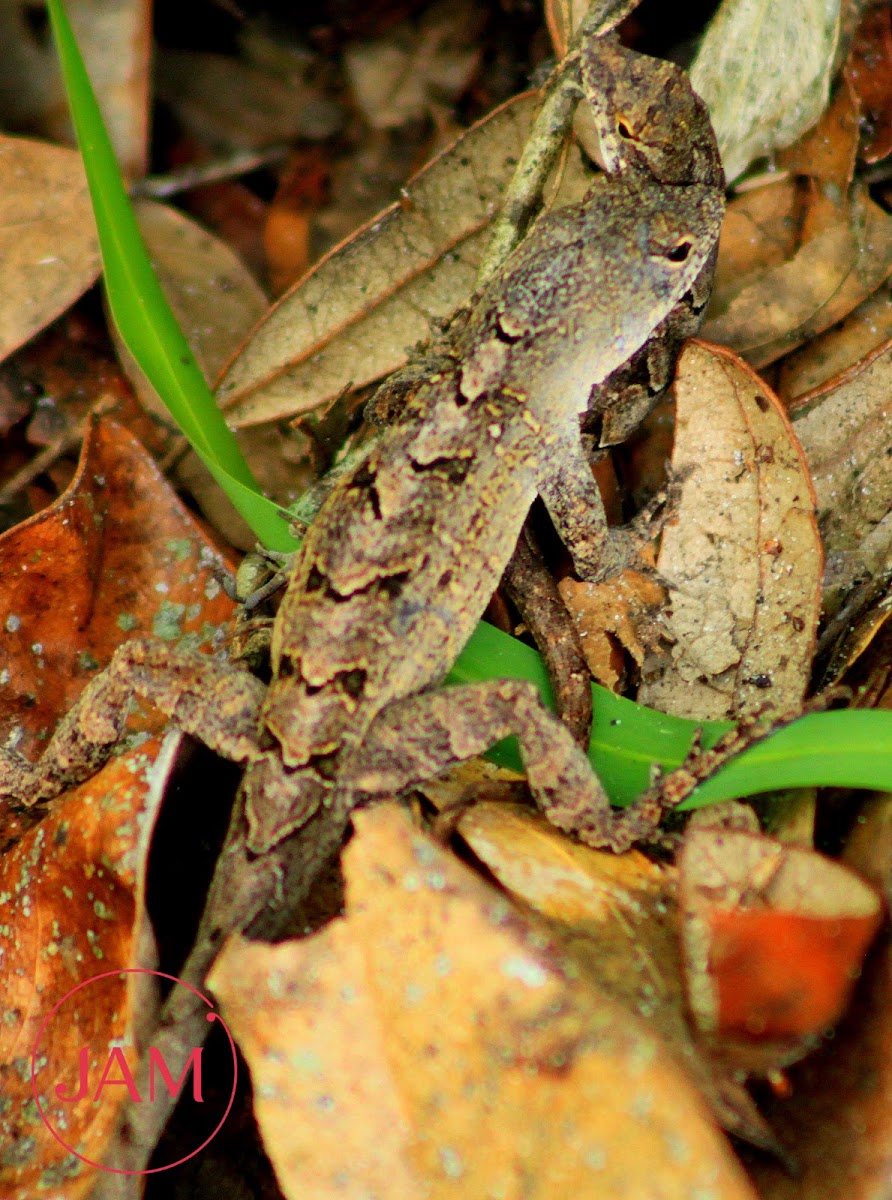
(623, 130)
(679, 253)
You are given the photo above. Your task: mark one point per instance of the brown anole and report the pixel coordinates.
(407, 549)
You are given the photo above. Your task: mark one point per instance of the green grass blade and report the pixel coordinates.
(141, 312)
(851, 748)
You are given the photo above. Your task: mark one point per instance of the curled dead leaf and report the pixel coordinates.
(774, 937)
(613, 617)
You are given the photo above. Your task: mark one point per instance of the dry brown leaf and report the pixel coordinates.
(352, 319)
(845, 429)
(742, 555)
(820, 285)
(114, 38)
(774, 938)
(764, 71)
(611, 618)
(760, 231)
(48, 246)
(435, 1011)
(831, 353)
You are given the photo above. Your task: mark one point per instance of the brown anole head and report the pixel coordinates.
(650, 122)
(590, 284)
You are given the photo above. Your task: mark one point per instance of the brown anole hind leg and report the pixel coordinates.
(211, 700)
(417, 738)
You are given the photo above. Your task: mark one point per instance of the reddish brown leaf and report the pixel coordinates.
(116, 556)
(71, 907)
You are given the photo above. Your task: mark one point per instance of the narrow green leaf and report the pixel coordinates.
(850, 748)
(141, 312)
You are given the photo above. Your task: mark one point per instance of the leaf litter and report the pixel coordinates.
(117, 553)
(631, 1037)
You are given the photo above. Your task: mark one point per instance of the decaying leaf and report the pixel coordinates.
(820, 285)
(48, 246)
(353, 318)
(742, 555)
(774, 937)
(845, 429)
(760, 231)
(71, 907)
(435, 1010)
(117, 554)
(764, 71)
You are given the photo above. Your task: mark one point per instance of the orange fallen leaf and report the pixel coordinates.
(71, 907)
(116, 554)
(436, 1041)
